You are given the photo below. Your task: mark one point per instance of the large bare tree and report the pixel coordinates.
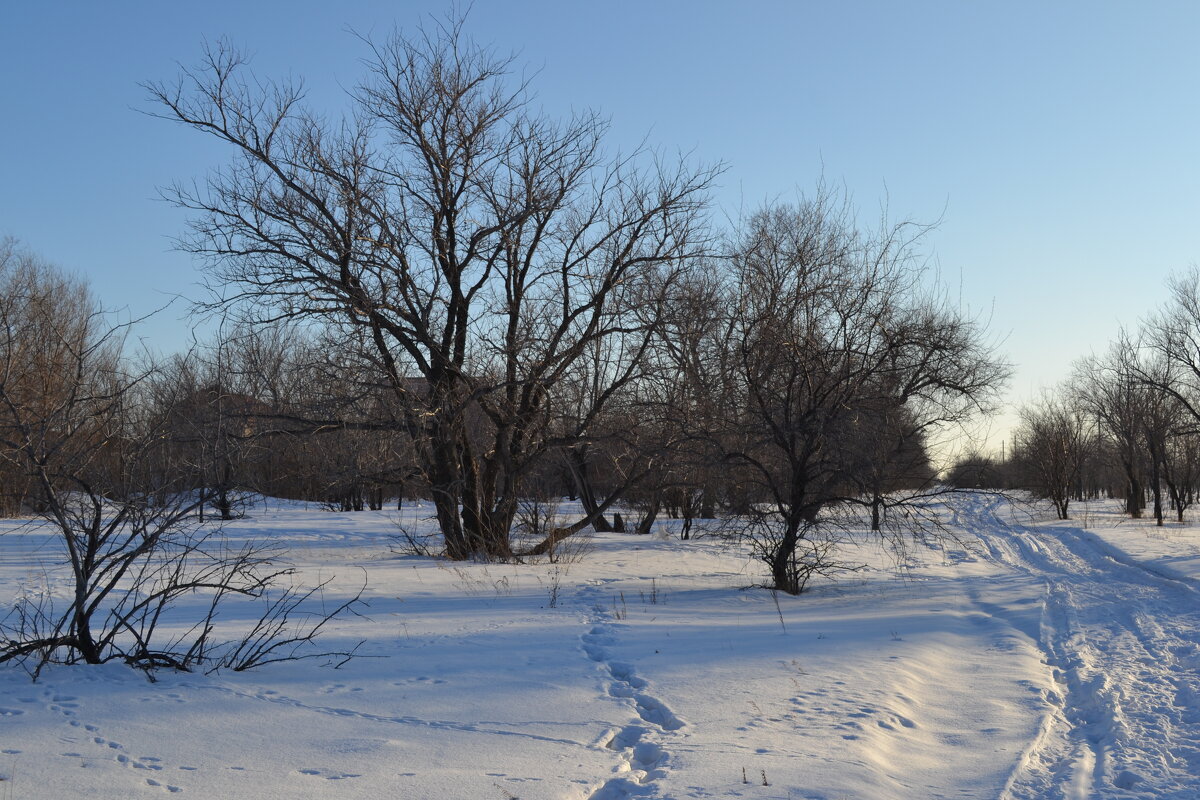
(479, 249)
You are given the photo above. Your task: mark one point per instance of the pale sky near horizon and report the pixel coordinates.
(1056, 142)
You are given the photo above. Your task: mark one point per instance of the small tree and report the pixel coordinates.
(75, 421)
(829, 326)
(1050, 447)
(1110, 389)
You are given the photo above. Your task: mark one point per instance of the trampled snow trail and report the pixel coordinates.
(1124, 643)
(643, 759)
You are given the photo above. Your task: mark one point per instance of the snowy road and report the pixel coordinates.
(1121, 638)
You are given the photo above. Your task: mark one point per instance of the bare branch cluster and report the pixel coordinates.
(89, 450)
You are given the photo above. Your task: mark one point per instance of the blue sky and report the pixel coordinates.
(1058, 143)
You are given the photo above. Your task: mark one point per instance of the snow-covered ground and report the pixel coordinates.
(1049, 660)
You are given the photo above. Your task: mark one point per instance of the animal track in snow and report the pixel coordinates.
(168, 787)
(895, 720)
(108, 749)
(337, 688)
(331, 776)
(421, 679)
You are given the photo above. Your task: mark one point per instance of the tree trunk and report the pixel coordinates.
(708, 504)
(647, 520)
(222, 504)
(84, 642)
(497, 528)
(1134, 500)
(577, 461)
(1061, 505)
(783, 572)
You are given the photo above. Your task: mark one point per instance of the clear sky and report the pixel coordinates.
(1059, 143)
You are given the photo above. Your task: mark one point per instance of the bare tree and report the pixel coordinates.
(975, 470)
(687, 392)
(75, 420)
(1172, 372)
(1053, 441)
(209, 427)
(1181, 469)
(883, 459)
(1173, 334)
(478, 249)
(828, 325)
(1112, 391)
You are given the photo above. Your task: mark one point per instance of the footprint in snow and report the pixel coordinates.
(168, 787)
(647, 756)
(419, 679)
(619, 789)
(593, 652)
(655, 711)
(333, 776)
(621, 690)
(625, 673)
(598, 635)
(628, 736)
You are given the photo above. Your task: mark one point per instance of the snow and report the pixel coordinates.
(1049, 659)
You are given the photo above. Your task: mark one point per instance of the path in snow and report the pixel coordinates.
(639, 742)
(1122, 639)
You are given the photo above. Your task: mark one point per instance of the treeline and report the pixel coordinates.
(1125, 425)
(81, 411)
(443, 293)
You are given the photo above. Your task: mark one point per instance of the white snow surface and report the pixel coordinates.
(1036, 659)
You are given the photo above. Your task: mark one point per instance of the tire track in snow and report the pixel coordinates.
(644, 761)
(1121, 638)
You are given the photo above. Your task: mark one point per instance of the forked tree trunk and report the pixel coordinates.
(577, 460)
(783, 570)
(646, 523)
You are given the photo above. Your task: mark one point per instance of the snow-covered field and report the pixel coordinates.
(1049, 660)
